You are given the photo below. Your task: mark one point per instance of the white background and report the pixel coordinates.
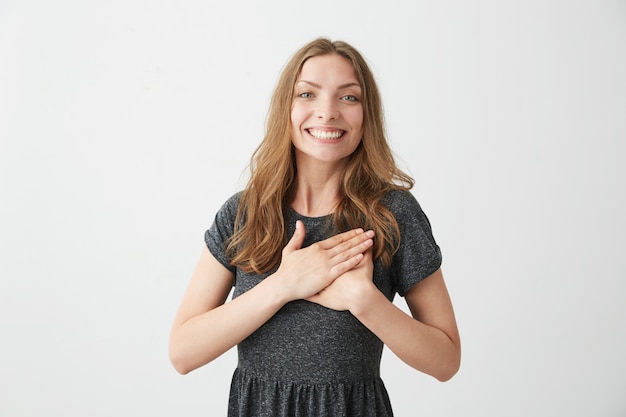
(124, 125)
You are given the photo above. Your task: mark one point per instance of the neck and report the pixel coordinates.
(317, 189)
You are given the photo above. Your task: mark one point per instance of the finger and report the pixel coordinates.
(368, 257)
(359, 243)
(352, 252)
(333, 241)
(297, 239)
(343, 267)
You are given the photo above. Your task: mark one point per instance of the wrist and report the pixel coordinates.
(364, 298)
(274, 289)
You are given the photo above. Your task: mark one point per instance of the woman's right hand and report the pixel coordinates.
(304, 272)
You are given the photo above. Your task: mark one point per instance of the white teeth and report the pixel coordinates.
(322, 134)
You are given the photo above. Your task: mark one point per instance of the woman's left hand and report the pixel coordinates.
(349, 288)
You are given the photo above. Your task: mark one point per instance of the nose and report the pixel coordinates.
(327, 109)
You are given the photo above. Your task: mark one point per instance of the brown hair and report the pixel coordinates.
(371, 172)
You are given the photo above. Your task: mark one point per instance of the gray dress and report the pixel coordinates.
(308, 360)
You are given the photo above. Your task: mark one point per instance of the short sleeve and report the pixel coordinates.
(418, 255)
(222, 229)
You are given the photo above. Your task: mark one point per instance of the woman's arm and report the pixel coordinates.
(206, 326)
(428, 339)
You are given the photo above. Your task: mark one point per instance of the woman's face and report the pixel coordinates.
(327, 112)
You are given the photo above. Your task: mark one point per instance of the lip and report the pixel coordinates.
(326, 130)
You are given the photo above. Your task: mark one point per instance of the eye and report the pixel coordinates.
(305, 95)
(349, 98)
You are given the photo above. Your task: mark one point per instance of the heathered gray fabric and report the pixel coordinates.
(308, 360)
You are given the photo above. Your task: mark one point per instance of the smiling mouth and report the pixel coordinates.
(326, 135)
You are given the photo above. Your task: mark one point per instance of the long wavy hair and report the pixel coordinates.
(371, 172)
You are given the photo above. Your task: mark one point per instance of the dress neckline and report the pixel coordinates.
(310, 218)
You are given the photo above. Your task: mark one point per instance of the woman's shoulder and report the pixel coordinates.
(234, 199)
(401, 202)
(229, 208)
(232, 202)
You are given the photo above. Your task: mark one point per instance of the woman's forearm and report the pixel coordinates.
(204, 337)
(423, 347)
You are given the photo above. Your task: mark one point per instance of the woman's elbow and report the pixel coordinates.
(447, 375)
(180, 358)
(179, 363)
(452, 367)
(186, 358)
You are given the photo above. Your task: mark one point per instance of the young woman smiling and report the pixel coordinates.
(323, 236)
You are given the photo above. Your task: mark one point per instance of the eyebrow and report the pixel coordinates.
(341, 87)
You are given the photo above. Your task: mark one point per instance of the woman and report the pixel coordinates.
(323, 236)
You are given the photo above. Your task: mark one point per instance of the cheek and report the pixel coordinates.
(297, 113)
(295, 121)
(356, 119)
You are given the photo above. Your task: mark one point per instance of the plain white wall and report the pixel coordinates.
(124, 125)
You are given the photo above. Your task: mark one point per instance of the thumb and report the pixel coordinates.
(297, 239)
